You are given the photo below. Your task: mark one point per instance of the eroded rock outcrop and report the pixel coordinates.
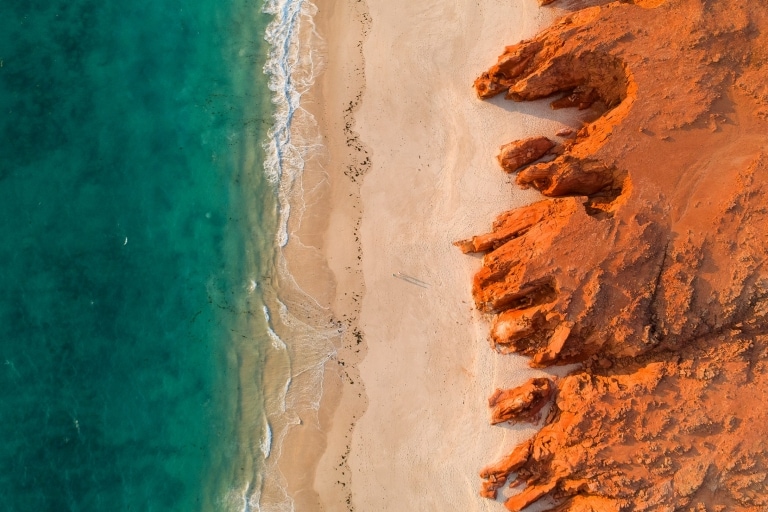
(568, 175)
(657, 433)
(646, 263)
(519, 153)
(509, 225)
(522, 403)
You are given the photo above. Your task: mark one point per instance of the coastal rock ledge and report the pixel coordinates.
(645, 262)
(519, 153)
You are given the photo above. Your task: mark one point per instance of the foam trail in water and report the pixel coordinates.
(292, 68)
(266, 443)
(292, 65)
(277, 342)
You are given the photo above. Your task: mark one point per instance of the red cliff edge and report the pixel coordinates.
(645, 261)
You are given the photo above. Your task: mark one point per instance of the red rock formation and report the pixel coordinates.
(648, 265)
(522, 403)
(582, 97)
(568, 175)
(509, 225)
(516, 154)
(659, 433)
(496, 475)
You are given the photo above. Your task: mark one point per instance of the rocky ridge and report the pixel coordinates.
(645, 262)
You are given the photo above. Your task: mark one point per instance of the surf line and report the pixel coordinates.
(409, 279)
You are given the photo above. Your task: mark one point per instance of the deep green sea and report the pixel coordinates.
(136, 220)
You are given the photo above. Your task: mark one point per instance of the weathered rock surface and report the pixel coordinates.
(662, 433)
(509, 225)
(519, 153)
(496, 475)
(522, 403)
(568, 175)
(647, 262)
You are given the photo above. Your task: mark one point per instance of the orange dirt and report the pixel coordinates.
(646, 263)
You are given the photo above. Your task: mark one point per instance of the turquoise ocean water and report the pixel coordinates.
(137, 226)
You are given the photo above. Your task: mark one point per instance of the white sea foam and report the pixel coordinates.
(291, 66)
(242, 500)
(293, 63)
(285, 393)
(277, 342)
(266, 443)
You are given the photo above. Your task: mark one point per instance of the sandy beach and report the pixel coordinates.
(645, 262)
(408, 168)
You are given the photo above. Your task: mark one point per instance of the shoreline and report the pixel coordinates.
(338, 458)
(322, 260)
(419, 367)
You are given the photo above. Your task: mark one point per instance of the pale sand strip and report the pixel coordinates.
(425, 364)
(429, 369)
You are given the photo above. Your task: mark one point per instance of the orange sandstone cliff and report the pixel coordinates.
(645, 261)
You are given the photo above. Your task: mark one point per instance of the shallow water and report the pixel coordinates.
(136, 228)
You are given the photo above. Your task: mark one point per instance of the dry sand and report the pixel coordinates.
(416, 388)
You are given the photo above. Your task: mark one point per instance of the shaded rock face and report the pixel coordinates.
(645, 261)
(516, 154)
(522, 403)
